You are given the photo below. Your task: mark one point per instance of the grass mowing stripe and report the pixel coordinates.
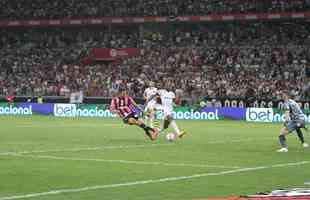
(127, 161)
(85, 149)
(68, 125)
(121, 147)
(167, 179)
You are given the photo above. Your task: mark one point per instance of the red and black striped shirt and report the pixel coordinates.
(122, 105)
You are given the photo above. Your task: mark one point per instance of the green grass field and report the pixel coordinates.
(49, 158)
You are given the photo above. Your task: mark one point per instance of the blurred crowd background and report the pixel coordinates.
(227, 59)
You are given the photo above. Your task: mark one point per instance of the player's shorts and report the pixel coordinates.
(131, 115)
(167, 111)
(293, 125)
(150, 106)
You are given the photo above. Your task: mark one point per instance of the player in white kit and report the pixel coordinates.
(150, 105)
(167, 98)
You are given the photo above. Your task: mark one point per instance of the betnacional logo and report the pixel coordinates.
(259, 114)
(15, 110)
(72, 110)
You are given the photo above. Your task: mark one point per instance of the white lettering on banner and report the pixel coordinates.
(54, 22)
(64, 110)
(267, 115)
(10, 110)
(250, 17)
(70, 110)
(259, 114)
(228, 17)
(75, 22)
(14, 23)
(194, 115)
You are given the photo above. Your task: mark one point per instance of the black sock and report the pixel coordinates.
(300, 135)
(282, 140)
(145, 128)
(166, 124)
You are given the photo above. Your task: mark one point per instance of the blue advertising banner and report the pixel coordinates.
(269, 115)
(226, 113)
(43, 109)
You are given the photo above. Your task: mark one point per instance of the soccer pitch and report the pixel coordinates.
(49, 158)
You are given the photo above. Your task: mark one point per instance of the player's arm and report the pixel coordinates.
(134, 103)
(174, 99)
(145, 96)
(287, 113)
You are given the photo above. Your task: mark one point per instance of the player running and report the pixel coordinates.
(294, 121)
(167, 98)
(125, 107)
(150, 105)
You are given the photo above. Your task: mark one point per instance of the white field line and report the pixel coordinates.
(86, 149)
(238, 140)
(143, 182)
(127, 161)
(122, 146)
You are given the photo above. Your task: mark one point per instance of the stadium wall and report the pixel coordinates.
(269, 115)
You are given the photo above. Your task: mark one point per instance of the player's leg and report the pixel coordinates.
(150, 132)
(169, 121)
(150, 116)
(167, 118)
(146, 115)
(289, 126)
(176, 129)
(282, 140)
(299, 125)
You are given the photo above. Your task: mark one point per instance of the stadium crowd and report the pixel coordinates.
(236, 60)
(58, 9)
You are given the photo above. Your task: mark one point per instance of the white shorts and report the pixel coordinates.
(150, 106)
(168, 111)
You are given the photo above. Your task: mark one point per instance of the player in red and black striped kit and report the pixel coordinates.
(124, 106)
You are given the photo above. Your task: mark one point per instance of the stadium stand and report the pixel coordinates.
(220, 60)
(45, 9)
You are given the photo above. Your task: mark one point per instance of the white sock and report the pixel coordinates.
(175, 127)
(146, 120)
(151, 121)
(162, 126)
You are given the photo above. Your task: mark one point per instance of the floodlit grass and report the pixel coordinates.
(61, 153)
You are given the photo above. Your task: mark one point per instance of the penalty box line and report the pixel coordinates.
(116, 147)
(143, 182)
(126, 161)
(84, 149)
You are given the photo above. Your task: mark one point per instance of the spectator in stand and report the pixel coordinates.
(213, 60)
(59, 9)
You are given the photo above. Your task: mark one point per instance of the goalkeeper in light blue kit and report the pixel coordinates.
(295, 120)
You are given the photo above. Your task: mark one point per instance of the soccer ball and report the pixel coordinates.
(171, 137)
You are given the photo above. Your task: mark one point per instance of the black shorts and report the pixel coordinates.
(132, 115)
